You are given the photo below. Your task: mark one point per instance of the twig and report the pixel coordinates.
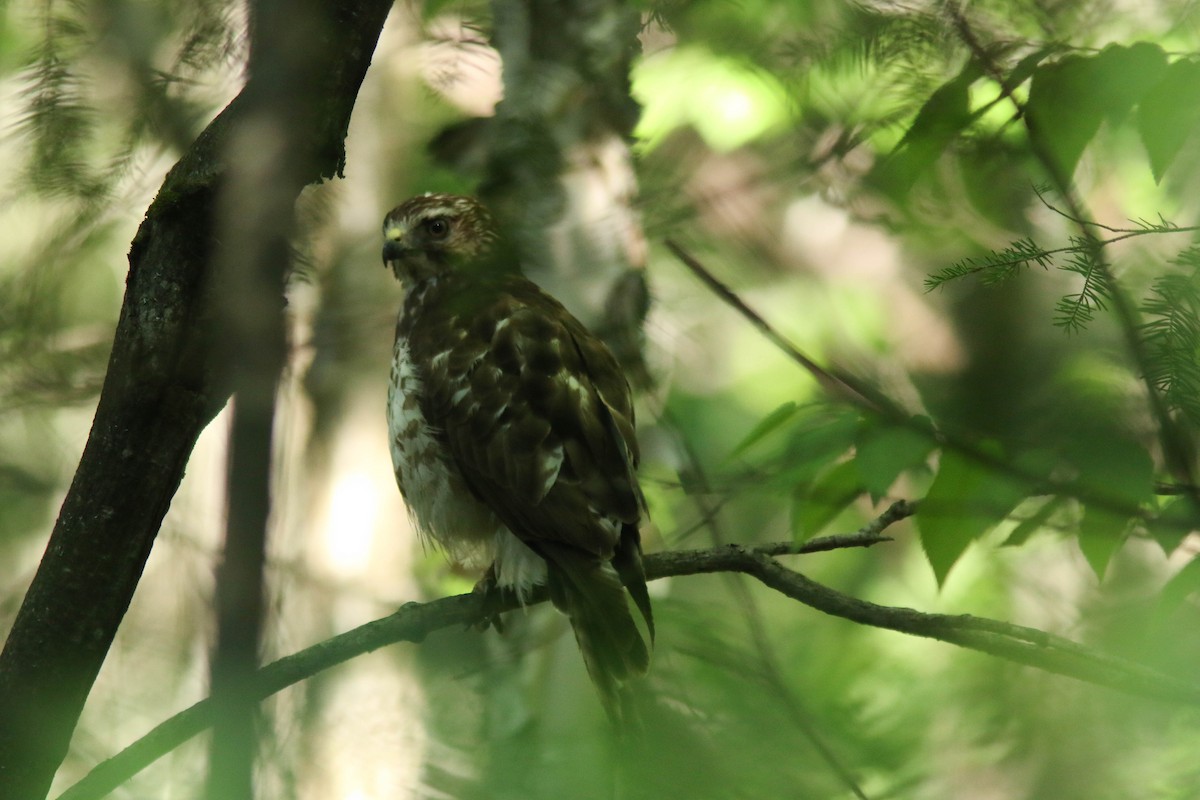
(1144, 227)
(1125, 233)
(866, 536)
(843, 386)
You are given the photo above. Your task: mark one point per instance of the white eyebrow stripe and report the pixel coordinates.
(436, 211)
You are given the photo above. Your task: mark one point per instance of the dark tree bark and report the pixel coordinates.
(162, 387)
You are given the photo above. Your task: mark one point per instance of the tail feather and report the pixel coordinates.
(590, 592)
(628, 562)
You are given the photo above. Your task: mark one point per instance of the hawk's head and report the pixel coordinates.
(428, 234)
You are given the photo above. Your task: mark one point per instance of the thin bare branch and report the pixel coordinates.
(841, 386)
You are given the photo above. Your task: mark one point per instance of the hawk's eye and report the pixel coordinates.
(437, 228)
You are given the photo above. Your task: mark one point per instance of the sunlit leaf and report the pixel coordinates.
(769, 424)
(940, 120)
(1070, 98)
(882, 452)
(964, 502)
(1168, 114)
(1101, 534)
(1033, 523)
(825, 499)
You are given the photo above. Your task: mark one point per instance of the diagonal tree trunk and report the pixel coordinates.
(162, 387)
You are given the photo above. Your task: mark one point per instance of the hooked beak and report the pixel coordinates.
(393, 250)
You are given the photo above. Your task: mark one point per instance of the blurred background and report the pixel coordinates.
(822, 158)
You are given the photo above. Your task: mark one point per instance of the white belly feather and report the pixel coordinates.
(439, 501)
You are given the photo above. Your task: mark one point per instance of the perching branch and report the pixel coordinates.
(414, 621)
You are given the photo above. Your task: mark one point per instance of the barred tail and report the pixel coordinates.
(590, 591)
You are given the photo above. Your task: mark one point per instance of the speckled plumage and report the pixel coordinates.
(512, 431)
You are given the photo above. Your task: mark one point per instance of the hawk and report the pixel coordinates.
(512, 433)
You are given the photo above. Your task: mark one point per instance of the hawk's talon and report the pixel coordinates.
(494, 597)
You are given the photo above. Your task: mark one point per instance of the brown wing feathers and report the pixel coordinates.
(551, 459)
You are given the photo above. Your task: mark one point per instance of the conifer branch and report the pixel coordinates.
(1089, 260)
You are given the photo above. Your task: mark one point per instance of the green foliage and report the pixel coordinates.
(823, 155)
(939, 123)
(1169, 114)
(1040, 519)
(823, 500)
(1172, 335)
(996, 266)
(769, 424)
(1083, 256)
(1101, 534)
(883, 452)
(727, 101)
(965, 501)
(1070, 97)
(1115, 478)
(84, 138)
(1079, 308)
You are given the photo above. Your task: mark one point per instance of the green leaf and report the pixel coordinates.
(882, 452)
(1126, 74)
(824, 500)
(1033, 523)
(1172, 524)
(1101, 534)
(1116, 479)
(944, 114)
(1184, 584)
(937, 124)
(1115, 469)
(1062, 111)
(965, 500)
(1027, 65)
(818, 441)
(1168, 114)
(1071, 97)
(767, 425)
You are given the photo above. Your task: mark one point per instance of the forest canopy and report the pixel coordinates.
(909, 295)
